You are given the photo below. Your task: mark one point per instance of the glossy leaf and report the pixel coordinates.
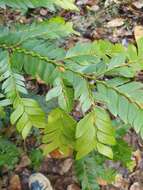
(95, 131)
(27, 114)
(12, 83)
(22, 4)
(59, 132)
(127, 104)
(64, 94)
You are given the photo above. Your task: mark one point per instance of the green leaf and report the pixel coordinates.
(128, 101)
(59, 132)
(22, 4)
(36, 157)
(27, 114)
(9, 154)
(12, 83)
(5, 102)
(105, 150)
(92, 168)
(51, 29)
(17, 114)
(66, 4)
(53, 93)
(122, 152)
(82, 90)
(116, 61)
(95, 131)
(84, 124)
(86, 173)
(64, 94)
(86, 143)
(82, 53)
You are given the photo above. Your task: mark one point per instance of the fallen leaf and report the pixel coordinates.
(73, 187)
(43, 12)
(15, 183)
(58, 154)
(138, 156)
(138, 32)
(94, 8)
(25, 161)
(102, 182)
(82, 2)
(115, 22)
(61, 69)
(138, 4)
(39, 80)
(66, 166)
(120, 182)
(136, 186)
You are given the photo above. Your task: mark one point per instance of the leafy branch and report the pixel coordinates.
(76, 74)
(127, 96)
(24, 5)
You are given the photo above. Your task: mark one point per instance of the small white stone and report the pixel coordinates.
(38, 177)
(115, 22)
(95, 8)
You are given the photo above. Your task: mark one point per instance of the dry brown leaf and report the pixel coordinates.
(138, 156)
(73, 187)
(25, 161)
(61, 69)
(138, 4)
(58, 154)
(39, 80)
(138, 32)
(66, 166)
(15, 183)
(101, 182)
(120, 182)
(115, 22)
(94, 8)
(136, 186)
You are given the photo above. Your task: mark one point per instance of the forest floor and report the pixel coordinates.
(113, 20)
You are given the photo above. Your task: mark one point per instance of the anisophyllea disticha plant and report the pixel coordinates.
(99, 77)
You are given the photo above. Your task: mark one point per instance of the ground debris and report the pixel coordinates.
(15, 183)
